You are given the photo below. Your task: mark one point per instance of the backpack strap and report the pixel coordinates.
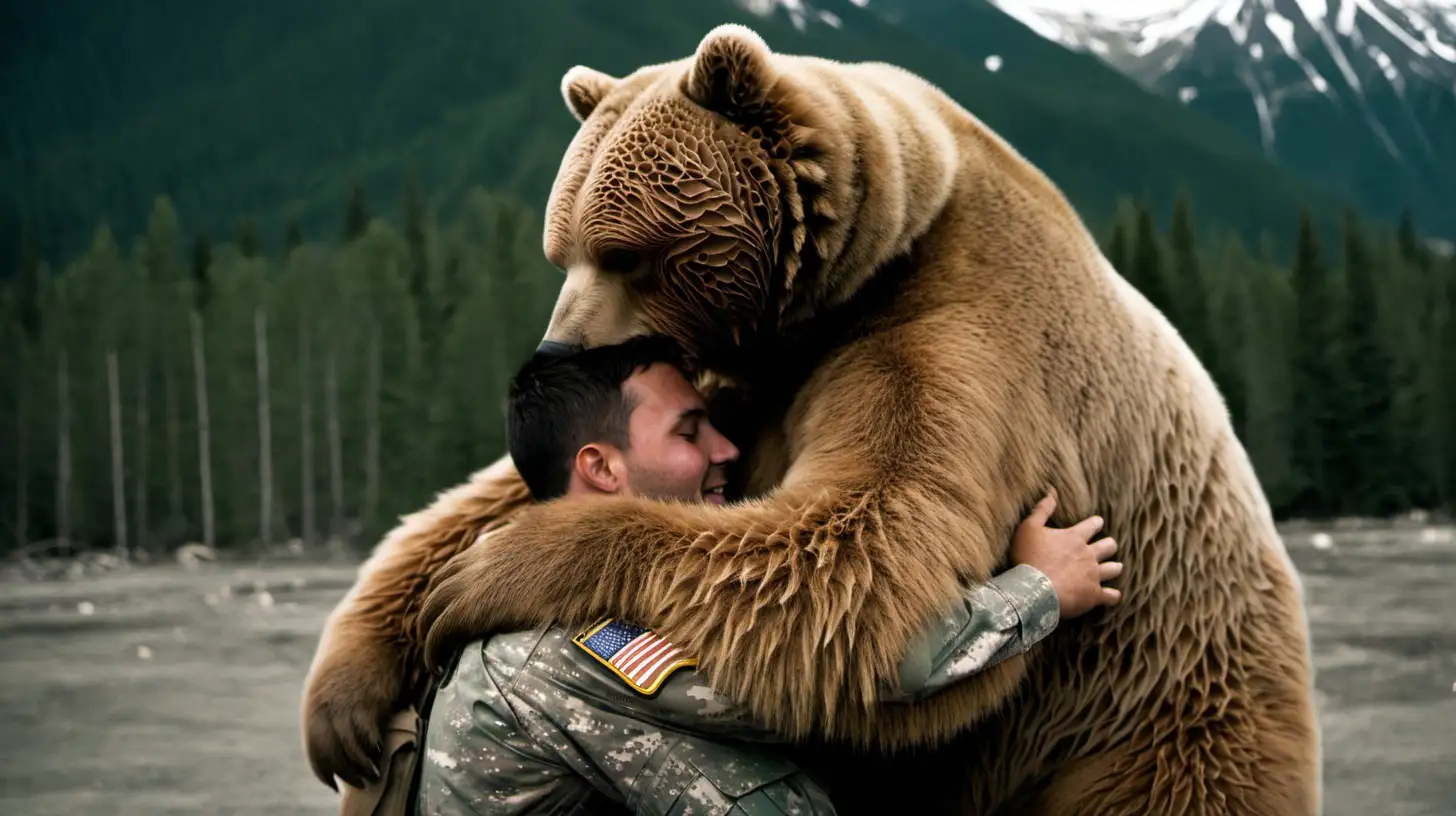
(398, 789)
(424, 705)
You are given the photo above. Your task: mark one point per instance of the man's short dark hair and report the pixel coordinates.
(557, 403)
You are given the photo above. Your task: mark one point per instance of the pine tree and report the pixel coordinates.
(247, 239)
(419, 262)
(1230, 310)
(335, 443)
(28, 320)
(454, 291)
(1315, 393)
(1409, 241)
(1146, 265)
(305, 435)
(202, 271)
(370, 503)
(265, 431)
(1367, 481)
(1261, 362)
(202, 299)
(22, 462)
(118, 456)
(293, 239)
(160, 242)
(100, 301)
(1448, 379)
(1191, 301)
(164, 334)
(1117, 248)
(356, 220)
(27, 282)
(141, 486)
(64, 461)
(1444, 408)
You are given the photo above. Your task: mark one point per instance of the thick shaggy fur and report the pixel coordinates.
(923, 337)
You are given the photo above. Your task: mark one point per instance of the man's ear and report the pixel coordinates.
(600, 468)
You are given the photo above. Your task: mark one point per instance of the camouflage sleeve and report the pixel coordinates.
(481, 756)
(992, 622)
(530, 723)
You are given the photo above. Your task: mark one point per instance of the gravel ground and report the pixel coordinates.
(167, 691)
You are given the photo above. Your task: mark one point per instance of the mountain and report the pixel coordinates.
(273, 110)
(1358, 94)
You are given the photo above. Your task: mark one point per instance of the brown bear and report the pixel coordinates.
(921, 336)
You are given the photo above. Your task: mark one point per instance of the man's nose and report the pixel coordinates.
(724, 450)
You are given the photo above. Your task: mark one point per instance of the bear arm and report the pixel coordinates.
(368, 658)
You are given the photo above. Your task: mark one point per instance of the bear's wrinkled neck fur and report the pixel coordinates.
(883, 154)
(872, 168)
(874, 186)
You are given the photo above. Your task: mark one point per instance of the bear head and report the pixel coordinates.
(695, 201)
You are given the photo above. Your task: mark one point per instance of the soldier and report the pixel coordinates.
(613, 716)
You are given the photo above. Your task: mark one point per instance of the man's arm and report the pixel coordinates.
(529, 723)
(1058, 574)
(990, 623)
(481, 752)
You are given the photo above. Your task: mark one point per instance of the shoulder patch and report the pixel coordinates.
(634, 653)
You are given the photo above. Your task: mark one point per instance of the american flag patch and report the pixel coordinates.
(634, 653)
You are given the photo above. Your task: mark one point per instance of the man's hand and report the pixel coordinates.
(1075, 567)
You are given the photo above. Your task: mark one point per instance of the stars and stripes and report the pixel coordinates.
(634, 653)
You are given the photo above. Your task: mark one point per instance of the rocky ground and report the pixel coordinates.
(165, 690)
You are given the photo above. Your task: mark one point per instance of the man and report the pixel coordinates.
(612, 716)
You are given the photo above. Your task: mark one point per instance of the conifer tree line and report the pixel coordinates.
(176, 388)
(1338, 367)
(179, 388)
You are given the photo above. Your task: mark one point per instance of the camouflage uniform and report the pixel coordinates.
(542, 721)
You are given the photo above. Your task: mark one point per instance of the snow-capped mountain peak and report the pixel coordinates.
(1357, 54)
(1426, 29)
(801, 13)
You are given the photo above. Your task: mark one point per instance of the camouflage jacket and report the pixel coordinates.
(614, 718)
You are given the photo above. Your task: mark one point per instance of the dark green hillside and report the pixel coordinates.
(274, 111)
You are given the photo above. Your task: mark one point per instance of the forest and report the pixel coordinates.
(175, 387)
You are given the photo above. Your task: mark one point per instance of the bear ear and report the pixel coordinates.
(584, 88)
(730, 70)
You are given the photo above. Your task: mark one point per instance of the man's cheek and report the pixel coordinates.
(693, 464)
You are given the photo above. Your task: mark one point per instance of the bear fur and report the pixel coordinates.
(914, 335)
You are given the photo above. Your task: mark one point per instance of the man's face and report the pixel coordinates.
(673, 450)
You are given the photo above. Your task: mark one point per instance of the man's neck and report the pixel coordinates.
(580, 489)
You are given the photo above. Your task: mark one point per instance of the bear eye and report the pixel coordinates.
(621, 261)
